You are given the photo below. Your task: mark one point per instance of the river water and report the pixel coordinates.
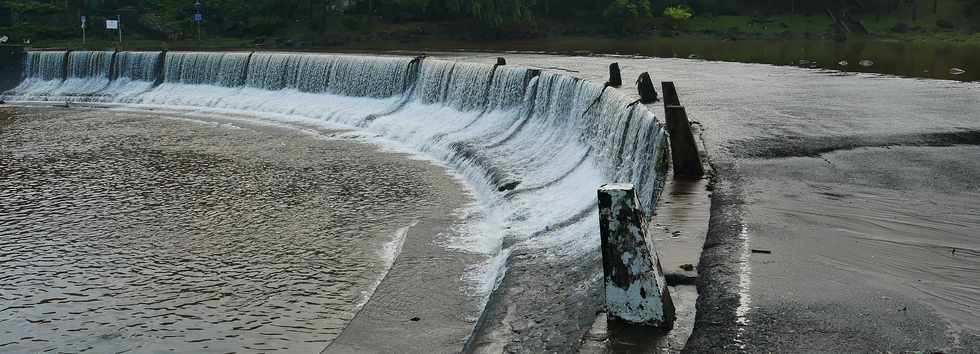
(935, 60)
(152, 232)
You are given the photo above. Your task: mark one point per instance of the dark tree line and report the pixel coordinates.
(231, 18)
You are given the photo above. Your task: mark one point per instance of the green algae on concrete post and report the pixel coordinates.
(683, 149)
(636, 291)
(670, 94)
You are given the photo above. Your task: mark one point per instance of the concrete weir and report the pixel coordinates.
(525, 139)
(636, 290)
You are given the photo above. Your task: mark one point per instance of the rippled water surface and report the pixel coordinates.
(133, 232)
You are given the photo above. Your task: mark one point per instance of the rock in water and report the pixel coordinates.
(843, 63)
(956, 71)
(866, 63)
(508, 186)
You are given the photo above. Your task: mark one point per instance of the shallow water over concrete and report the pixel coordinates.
(123, 231)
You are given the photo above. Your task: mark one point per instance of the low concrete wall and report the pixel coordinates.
(11, 66)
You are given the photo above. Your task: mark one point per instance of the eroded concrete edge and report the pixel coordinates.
(716, 327)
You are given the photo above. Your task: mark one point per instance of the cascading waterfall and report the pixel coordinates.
(43, 72)
(220, 69)
(45, 66)
(137, 66)
(89, 64)
(132, 74)
(533, 145)
(88, 73)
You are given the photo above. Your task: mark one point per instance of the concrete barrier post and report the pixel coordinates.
(66, 63)
(161, 70)
(615, 77)
(636, 291)
(113, 70)
(644, 86)
(670, 94)
(683, 149)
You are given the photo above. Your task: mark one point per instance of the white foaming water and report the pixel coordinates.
(133, 74)
(532, 145)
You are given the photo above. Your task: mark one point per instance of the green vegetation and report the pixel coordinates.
(322, 23)
(678, 14)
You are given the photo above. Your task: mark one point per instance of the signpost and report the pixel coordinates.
(198, 18)
(115, 25)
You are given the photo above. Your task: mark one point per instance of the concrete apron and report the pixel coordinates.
(678, 229)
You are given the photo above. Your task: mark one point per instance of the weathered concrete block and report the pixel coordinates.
(644, 86)
(65, 65)
(615, 77)
(11, 66)
(160, 70)
(636, 291)
(113, 73)
(670, 94)
(683, 149)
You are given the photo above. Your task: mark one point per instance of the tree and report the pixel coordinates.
(678, 14)
(628, 15)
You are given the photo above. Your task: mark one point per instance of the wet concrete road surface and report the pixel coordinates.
(889, 238)
(151, 232)
(857, 191)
